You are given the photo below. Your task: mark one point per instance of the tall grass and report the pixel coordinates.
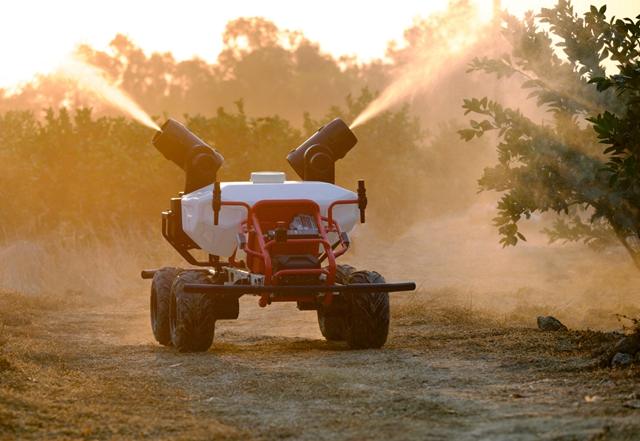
(82, 264)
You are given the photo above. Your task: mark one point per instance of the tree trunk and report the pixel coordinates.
(631, 243)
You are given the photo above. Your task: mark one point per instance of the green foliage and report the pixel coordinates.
(71, 171)
(247, 143)
(561, 165)
(594, 233)
(67, 170)
(619, 128)
(88, 168)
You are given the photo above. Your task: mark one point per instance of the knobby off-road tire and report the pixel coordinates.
(332, 322)
(160, 302)
(192, 316)
(367, 317)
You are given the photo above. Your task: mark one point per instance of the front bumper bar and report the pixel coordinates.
(298, 289)
(148, 274)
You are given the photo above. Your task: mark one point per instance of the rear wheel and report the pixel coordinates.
(331, 325)
(192, 315)
(367, 314)
(160, 303)
(331, 320)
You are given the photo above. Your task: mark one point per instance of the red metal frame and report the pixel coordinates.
(325, 225)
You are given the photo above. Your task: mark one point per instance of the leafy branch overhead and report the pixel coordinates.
(584, 159)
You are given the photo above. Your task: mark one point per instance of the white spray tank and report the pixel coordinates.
(220, 240)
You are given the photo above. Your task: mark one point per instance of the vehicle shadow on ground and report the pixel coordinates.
(263, 345)
(267, 354)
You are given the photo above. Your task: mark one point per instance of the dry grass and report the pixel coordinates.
(515, 308)
(83, 264)
(87, 371)
(19, 309)
(3, 336)
(451, 306)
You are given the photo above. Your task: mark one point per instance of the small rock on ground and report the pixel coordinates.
(549, 323)
(629, 344)
(632, 404)
(621, 360)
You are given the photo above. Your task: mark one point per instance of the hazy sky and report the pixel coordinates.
(36, 34)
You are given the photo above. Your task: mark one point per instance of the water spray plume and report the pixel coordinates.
(448, 38)
(94, 80)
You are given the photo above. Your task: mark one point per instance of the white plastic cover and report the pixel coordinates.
(268, 178)
(220, 240)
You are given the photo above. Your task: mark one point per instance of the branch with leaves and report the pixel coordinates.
(563, 167)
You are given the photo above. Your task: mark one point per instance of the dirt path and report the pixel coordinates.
(94, 372)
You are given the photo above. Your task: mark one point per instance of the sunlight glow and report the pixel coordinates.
(38, 35)
(453, 33)
(94, 81)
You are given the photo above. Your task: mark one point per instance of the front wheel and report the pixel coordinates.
(331, 320)
(367, 314)
(160, 303)
(192, 315)
(331, 325)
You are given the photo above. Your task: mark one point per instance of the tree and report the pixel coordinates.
(273, 70)
(560, 165)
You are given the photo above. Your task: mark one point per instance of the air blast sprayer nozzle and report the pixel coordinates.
(314, 159)
(199, 161)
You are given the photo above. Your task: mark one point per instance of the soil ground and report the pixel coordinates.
(78, 370)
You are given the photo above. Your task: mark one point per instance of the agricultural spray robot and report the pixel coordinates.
(268, 237)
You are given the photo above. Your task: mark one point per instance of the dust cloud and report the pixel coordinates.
(454, 255)
(457, 262)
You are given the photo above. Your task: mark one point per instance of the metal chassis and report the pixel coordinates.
(268, 285)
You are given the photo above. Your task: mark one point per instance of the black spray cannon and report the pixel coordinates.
(199, 161)
(314, 159)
